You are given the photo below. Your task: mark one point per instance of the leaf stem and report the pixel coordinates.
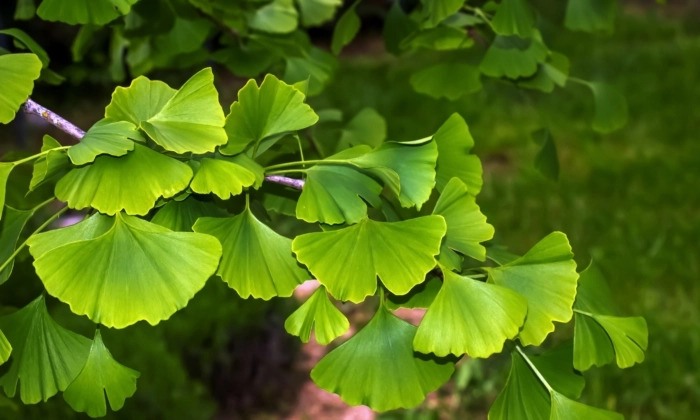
(307, 162)
(579, 81)
(38, 155)
(533, 368)
(287, 171)
(583, 312)
(39, 229)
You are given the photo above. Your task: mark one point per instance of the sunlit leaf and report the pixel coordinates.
(180, 215)
(317, 313)
(273, 108)
(514, 17)
(564, 408)
(222, 176)
(256, 261)
(45, 356)
(278, 16)
(546, 276)
(47, 75)
(629, 337)
(140, 101)
(10, 228)
(377, 367)
(590, 15)
(50, 167)
(454, 142)
(470, 316)
(131, 183)
(5, 348)
(610, 108)
(192, 120)
(316, 12)
(447, 80)
(114, 138)
(466, 225)
(18, 73)
(101, 375)
(347, 261)
(81, 12)
(346, 29)
(437, 11)
(134, 271)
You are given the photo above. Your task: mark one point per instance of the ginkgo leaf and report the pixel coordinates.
(192, 120)
(18, 73)
(593, 293)
(347, 261)
(514, 17)
(81, 12)
(454, 141)
(523, 396)
(134, 271)
(366, 127)
(421, 296)
(470, 316)
(87, 229)
(5, 348)
(590, 15)
(440, 38)
(556, 365)
(311, 72)
(180, 216)
(256, 261)
(143, 99)
(546, 275)
(610, 108)
(407, 168)
(106, 137)
(10, 228)
(222, 176)
(437, 11)
(45, 356)
(513, 57)
(377, 367)
(346, 29)
(50, 167)
(273, 108)
(278, 17)
(547, 160)
(101, 375)
(317, 313)
(336, 194)
(5, 169)
(447, 80)
(466, 225)
(316, 12)
(564, 408)
(131, 183)
(553, 72)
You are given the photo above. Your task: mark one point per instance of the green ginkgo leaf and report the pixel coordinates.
(366, 127)
(222, 177)
(470, 316)
(5, 170)
(590, 15)
(593, 293)
(556, 365)
(316, 12)
(513, 57)
(377, 367)
(45, 356)
(440, 38)
(131, 183)
(137, 103)
(273, 108)
(466, 225)
(278, 17)
(136, 270)
(311, 72)
(546, 275)
(610, 108)
(551, 73)
(256, 261)
(437, 11)
(454, 142)
(81, 12)
(10, 228)
(50, 167)
(18, 73)
(5, 348)
(447, 80)
(346, 29)
(317, 313)
(347, 261)
(181, 215)
(336, 194)
(421, 296)
(106, 137)
(101, 375)
(523, 396)
(564, 408)
(514, 17)
(192, 120)
(407, 168)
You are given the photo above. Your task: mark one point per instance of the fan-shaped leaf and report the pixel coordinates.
(440, 38)
(566, 409)
(514, 17)
(18, 73)
(5, 348)
(273, 108)
(366, 127)
(513, 57)
(593, 293)
(546, 276)
(319, 313)
(454, 141)
(554, 71)
(610, 108)
(447, 80)
(312, 72)
(590, 15)
(192, 120)
(140, 101)
(45, 356)
(466, 225)
(523, 397)
(557, 366)
(346, 29)
(347, 261)
(223, 177)
(437, 11)
(50, 167)
(10, 228)
(180, 216)
(134, 271)
(316, 12)
(257, 261)
(106, 137)
(470, 316)
(377, 367)
(278, 17)
(81, 12)
(131, 183)
(101, 375)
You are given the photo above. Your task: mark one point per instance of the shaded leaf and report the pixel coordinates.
(590, 15)
(440, 38)
(523, 396)
(454, 142)
(564, 408)
(10, 228)
(557, 367)
(546, 276)
(546, 161)
(314, 70)
(50, 167)
(470, 316)
(223, 177)
(397, 26)
(319, 313)
(131, 183)
(180, 216)
(347, 261)
(101, 375)
(448, 80)
(383, 345)
(137, 103)
(106, 137)
(514, 17)
(553, 72)
(610, 108)
(513, 57)
(366, 127)
(278, 17)
(45, 356)
(346, 29)
(593, 293)
(18, 73)
(5, 169)
(256, 261)
(5, 348)
(81, 12)
(421, 296)
(437, 11)
(136, 270)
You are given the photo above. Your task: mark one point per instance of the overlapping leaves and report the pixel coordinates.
(317, 313)
(18, 73)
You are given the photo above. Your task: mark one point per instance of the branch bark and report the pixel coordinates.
(31, 107)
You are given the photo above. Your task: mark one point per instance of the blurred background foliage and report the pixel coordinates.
(628, 199)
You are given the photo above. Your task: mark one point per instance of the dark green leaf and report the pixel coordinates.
(610, 108)
(546, 161)
(513, 57)
(420, 296)
(437, 11)
(315, 68)
(366, 127)
(514, 17)
(523, 397)
(566, 409)
(180, 216)
(346, 29)
(10, 228)
(50, 167)
(590, 15)
(448, 80)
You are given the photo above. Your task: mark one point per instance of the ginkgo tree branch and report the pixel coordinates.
(31, 107)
